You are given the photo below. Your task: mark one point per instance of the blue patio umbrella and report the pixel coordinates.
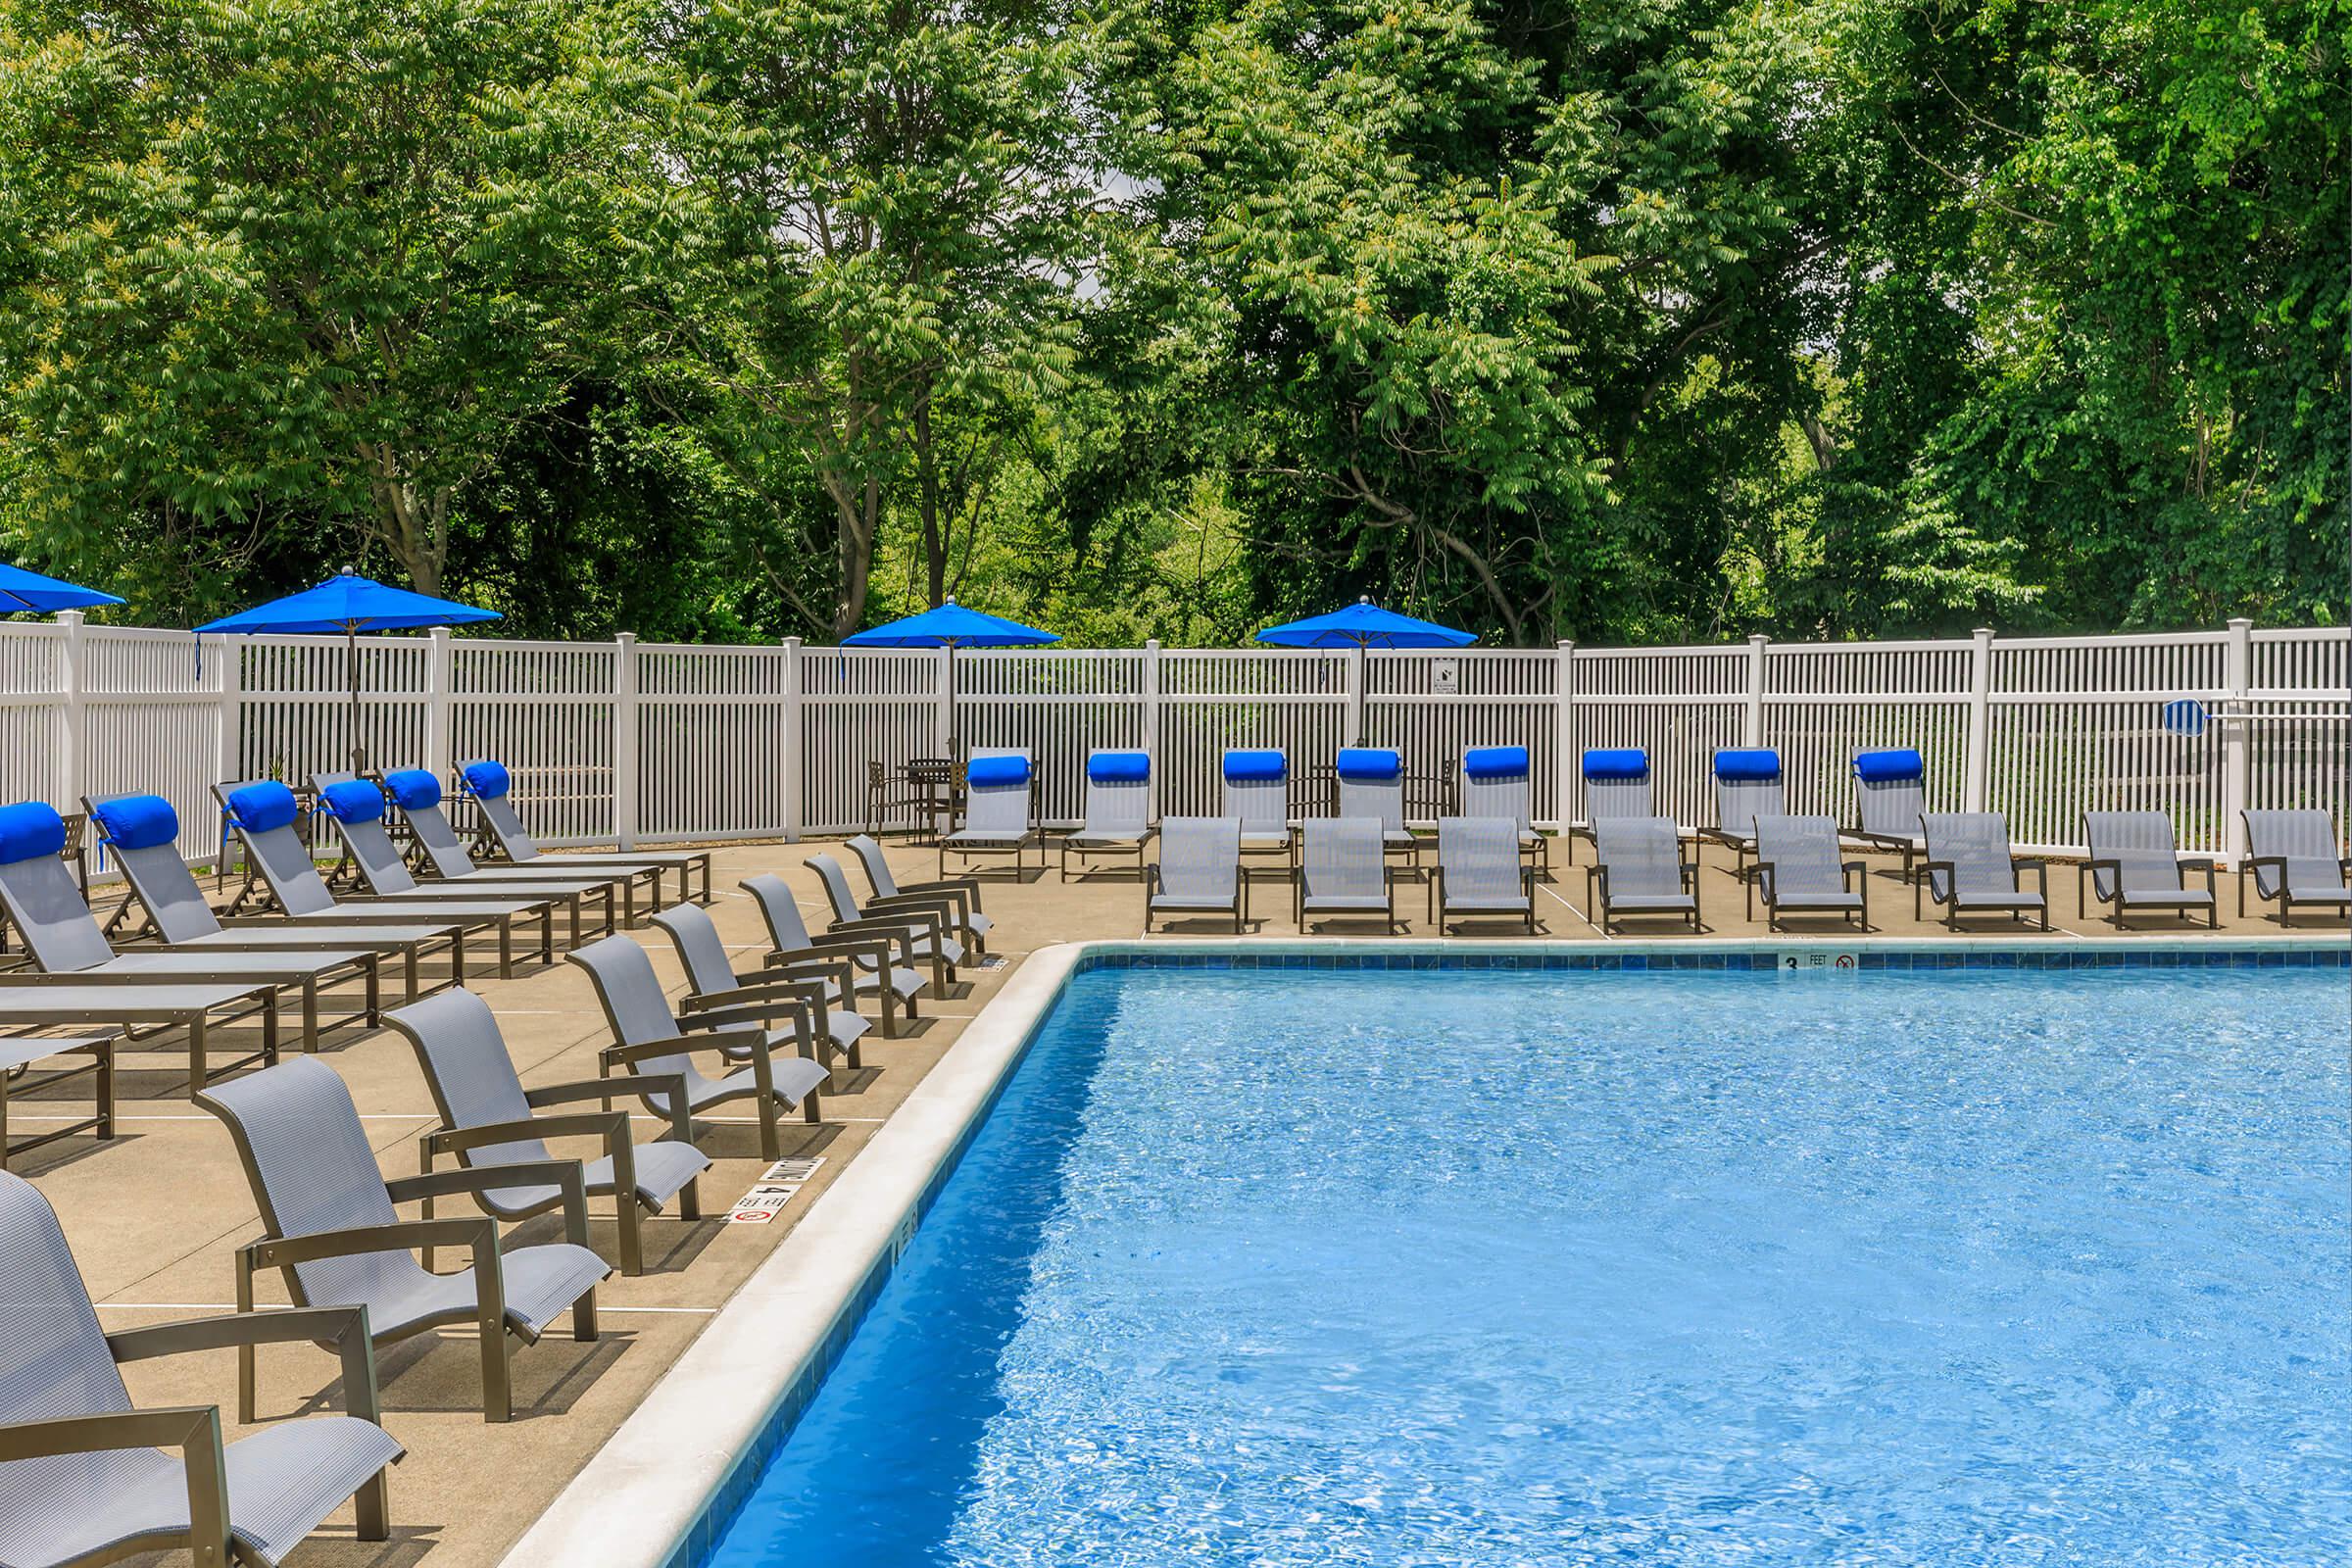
(351, 603)
(22, 590)
(951, 626)
(1362, 626)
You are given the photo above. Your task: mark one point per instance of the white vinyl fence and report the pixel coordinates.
(656, 743)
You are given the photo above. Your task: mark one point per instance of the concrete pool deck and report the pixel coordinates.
(153, 1216)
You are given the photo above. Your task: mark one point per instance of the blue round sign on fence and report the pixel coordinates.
(2184, 715)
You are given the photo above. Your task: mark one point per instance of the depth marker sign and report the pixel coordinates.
(773, 1190)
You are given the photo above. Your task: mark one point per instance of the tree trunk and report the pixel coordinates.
(926, 472)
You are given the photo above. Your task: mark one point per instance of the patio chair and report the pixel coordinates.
(488, 1120)
(816, 984)
(262, 812)
(1199, 871)
(999, 815)
(141, 832)
(881, 954)
(1747, 785)
(1118, 809)
(356, 808)
(68, 947)
(333, 1234)
(1617, 787)
(928, 916)
(1498, 782)
(972, 923)
(1798, 872)
(1371, 784)
(2134, 864)
(1967, 866)
(81, 1478)
(659, 1047)
(1480, 872)
(1257, 794)
(1890, 796)
(490, 788)
(20, 1055)
(1344, 870)
(1638, 869)
(2293, 857)
(418, 793)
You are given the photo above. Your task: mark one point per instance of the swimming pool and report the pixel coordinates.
(1504, 1267)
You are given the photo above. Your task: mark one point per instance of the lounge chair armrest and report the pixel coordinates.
(608, 1090)
(964, 888)
(343, 1327)
(605, 1124)
(716, 1039)
(874, 950)
(785, 992)
(477, 1231)
(564, 1173)
(942, 908)
(729, 1015)
(193, 1429)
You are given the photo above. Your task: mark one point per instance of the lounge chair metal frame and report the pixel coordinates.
(19, 1055)
(188, 1006)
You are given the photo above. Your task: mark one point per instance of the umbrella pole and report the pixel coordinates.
(351, 674)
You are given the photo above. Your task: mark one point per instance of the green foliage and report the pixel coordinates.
(1619, 319)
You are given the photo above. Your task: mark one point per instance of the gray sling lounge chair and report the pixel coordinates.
(930, 916)
(1891, 795)
(1798, 872)
(1257, 794)
(1965, 865)
(488, 1119)
(961, 893)
(356, 807)
(999, 810)
(2134, 864)
(1369, 782)
(1640, 871)
(1480, 872)
(334, 1235)
(826, 987)
(188, 1007)
(2293, 857)
(81, 1480)
(1747, 785)
(263, 814)
(658, 1046)
(1617, 787)
(68, 948)
(881, 954)
(1199, 871)
(1498, 782)
(20, 1055)
(141, 832)
(418, 793)
(1118, 809)
(1344, 871)
(490, 785)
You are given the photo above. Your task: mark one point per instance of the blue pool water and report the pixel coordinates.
(1301, 1268)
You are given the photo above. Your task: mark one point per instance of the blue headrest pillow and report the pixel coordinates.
(1630, 762)
(1370, 764)
(1757, 765)
(137, 821)
(1120, 767)
(1494, 761)
(1256, 767)
(262, 808)
(995, 772)
(354, 800)
(414, 789)
(28, 830)
(487, 779)
(1890, 767)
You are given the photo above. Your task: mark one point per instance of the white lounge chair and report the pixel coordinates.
(1199, 871)
(1118, 809)
(87, 1477)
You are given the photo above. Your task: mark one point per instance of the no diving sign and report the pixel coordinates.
(1827, 960)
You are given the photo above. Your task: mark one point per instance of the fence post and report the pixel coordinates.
(228, 738)
(1975, 787)
(440, 741)
(1752, 726)
(1564, 769)
(1150, 725)
(2238, 754)
(794, 733)
(624, 739)
(74, 742)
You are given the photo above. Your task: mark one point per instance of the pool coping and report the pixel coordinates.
(666, 1484)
